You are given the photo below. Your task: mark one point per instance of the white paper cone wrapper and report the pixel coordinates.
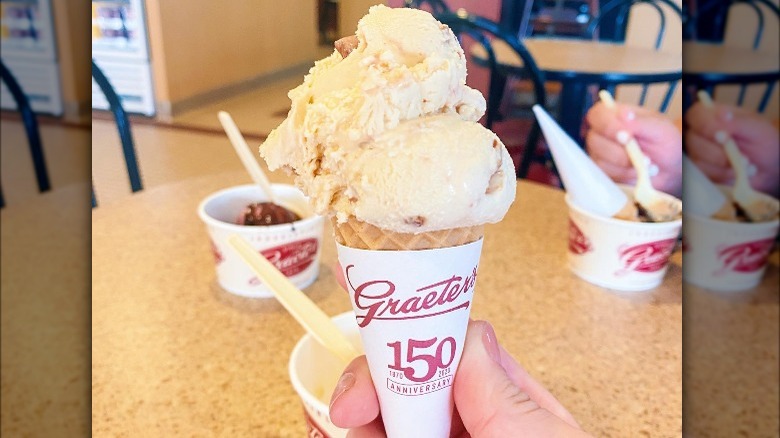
(412, 308)
(702, 197)
(586, 184)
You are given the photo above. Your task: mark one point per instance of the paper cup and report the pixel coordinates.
(618, 254)
(412, 308)
(726, 256)
(293, 248)
(314, 372)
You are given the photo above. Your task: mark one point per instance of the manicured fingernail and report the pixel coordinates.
(346, 381)
(629, 115)
(726, 115)
(490, 342)
(653, 170)
(623, 137)
(721, 136)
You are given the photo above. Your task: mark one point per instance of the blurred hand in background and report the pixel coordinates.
(658, 137)
(755, 136)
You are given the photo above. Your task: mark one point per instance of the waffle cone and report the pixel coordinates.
(361, 235)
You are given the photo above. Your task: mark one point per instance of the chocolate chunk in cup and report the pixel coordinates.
(726, 256)
(294, 248)
(412, 296)
(314, 372)
(618, 254)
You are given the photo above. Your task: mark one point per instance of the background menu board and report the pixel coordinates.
(120, 49)
(30, 53)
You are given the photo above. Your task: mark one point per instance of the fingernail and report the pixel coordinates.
(623, 137)
(726, 115)
(721, 136)
(346, 381)
(653, 170)
(629, 115)
(490, 342)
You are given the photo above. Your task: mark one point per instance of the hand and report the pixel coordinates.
(494, 396)
(657, 136)
(754, 135)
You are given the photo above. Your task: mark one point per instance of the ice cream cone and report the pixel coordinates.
(361, 235)
(586, 184)
(412, 298)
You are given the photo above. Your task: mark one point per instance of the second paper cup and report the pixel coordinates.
(726, 256)
(618, 254)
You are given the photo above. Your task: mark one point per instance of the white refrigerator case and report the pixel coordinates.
(120, 49)
(29, 51)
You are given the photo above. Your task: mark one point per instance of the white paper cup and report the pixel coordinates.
(618, 254)
(293, 248)
(412, 308)
(726, 256)
(314, 372)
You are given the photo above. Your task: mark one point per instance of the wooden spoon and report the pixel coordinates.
(657, 206)
(757, 208)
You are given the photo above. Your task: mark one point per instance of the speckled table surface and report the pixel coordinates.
(732, 360)
(45, 314)
(174, 355)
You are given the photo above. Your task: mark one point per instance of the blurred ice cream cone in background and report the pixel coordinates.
(585, 183)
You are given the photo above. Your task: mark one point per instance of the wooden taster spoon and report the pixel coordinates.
(757, 208)
(657, 206)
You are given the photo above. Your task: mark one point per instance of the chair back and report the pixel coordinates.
(716, 13)
(436, 6)
(484, 32)
(30, 128)
(123, 125)
(618, 11)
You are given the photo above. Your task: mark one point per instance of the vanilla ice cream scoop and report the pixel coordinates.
(430, 173)
(388, 133)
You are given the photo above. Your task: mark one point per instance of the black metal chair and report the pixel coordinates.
(716, 13)
(435, 6)
(484, 32)
(31, 129)
(617, 13)
(123, 125)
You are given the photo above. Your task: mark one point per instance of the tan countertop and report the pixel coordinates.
(702, 57)
(45, 314)
(174, 355)
(585, 56)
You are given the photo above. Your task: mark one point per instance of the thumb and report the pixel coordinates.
(494, 402)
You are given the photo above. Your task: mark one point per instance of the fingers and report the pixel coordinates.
(709, 156)
(491, 403)
(624, 175)
(611, 128)
(609, 122)
(707, 121)
(375, 429)
(354, 402)
(534, 389)
(339, 273)
(606, 149)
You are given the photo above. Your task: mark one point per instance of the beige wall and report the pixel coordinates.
(73, 53)
(642, 32)
(210, 45)
(351, 11)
